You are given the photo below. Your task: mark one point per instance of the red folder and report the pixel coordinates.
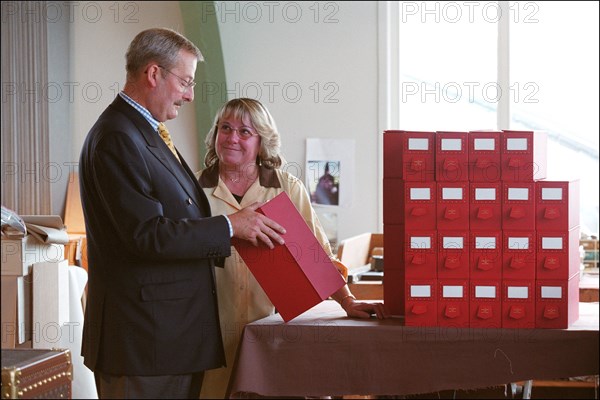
(295, 276)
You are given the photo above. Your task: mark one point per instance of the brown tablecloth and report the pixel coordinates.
(322, 352)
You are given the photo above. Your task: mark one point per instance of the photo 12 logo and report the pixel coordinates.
(467, 11)
(454, 92)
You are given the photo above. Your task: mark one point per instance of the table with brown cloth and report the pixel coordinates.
(324, 353)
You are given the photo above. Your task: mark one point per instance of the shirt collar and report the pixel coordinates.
(267, 177)
(142, 110)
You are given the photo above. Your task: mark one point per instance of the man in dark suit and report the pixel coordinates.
(151, 324)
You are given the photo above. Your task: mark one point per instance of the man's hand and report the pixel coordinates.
(252, 226)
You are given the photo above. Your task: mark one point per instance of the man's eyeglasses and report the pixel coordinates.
(185, 83)
(243, 132)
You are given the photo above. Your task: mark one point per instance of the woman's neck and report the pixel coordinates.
(237, 178)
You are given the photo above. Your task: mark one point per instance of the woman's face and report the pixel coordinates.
(238, 142)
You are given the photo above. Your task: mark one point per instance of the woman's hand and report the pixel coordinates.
(360, 309)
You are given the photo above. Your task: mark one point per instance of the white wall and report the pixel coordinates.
(100, 34)
(314, 65)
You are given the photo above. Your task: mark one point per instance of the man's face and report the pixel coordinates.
(173, 88)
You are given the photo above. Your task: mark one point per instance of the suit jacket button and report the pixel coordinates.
(189, 201)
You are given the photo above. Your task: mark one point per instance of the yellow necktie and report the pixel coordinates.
(166, 137)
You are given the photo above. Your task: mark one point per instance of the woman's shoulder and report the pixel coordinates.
(287, 179)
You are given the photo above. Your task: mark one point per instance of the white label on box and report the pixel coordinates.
(418, 144)
(551, 292)
(516, 144)
(518, 194)
(484, 144)
(552, 243)
(420, 291)
(451, 144)
(518, 243)
(485, 243)
(518, 292)
(551, 193)
(455, 292)
(420, 194)
(452, 193)
(451, 242)
(485, 194)
(485, 292)
(420, 242)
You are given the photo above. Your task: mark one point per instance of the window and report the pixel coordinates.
(453, 60)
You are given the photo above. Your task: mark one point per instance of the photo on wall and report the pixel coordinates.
(324, 182)
(329, 172)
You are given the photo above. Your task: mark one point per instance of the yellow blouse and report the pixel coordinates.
(241, 298)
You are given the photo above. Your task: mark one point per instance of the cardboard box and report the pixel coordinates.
(485, 253)
(523, 155)
(409, 155)
(16, 310)
(18, 255)
(557, 205)
(484, 156)
(556, 303)
(452, 206)
(485, 308)
(453, 303)
(451, 156)
(420, 255)
(518, 304)
(518, 206)
(297, 275)
(453, 254)
(485, 207)
(421, 302)
(557, 254)
(50, 301)
(518, 255)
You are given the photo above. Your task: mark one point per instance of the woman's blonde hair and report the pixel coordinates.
(262, 122)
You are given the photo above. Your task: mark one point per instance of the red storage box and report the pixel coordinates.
(557, 254)
(453, 254)
(485, 308)
(484, 156)
(420, 205)
(421, 255)
(409, 155)
(453, 303)
(518, 206)
(556, 303)
(421, 303)
(297, 275)
(518, 304)
(523, 155)
(485, 208)
(518, 255)
(453, 205)
(485, 253)
(557, 205)
(451, 156)
(393, 201)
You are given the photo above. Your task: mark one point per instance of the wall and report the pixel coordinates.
(314, 65)
(99, 36)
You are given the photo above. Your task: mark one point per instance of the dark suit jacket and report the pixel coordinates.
(152, 246)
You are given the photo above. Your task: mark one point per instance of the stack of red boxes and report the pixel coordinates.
(474, 235)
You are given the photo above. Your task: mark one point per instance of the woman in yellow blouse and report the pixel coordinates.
(242, 167)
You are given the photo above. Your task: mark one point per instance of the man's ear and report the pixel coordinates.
(152, 71)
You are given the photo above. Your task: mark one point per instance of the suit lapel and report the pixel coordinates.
(157, 147)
